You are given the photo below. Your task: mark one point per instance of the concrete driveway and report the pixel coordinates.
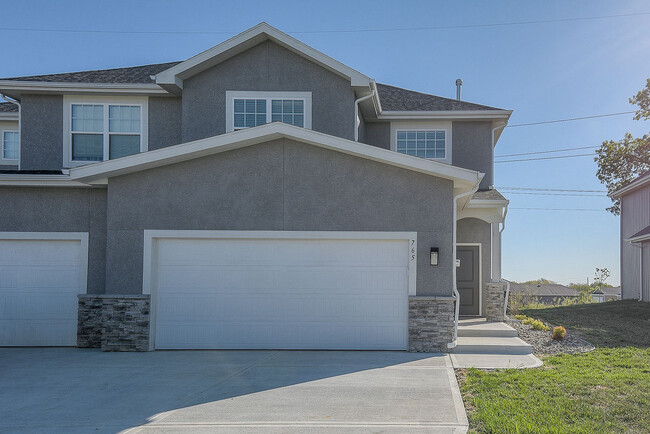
(70, 390)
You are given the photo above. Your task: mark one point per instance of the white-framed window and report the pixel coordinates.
(430, 140)
(9, 146)
(99, 129)
(246, 109)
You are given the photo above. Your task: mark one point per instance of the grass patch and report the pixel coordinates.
(606, 390)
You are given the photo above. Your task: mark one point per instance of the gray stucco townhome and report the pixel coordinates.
(257, 195)
(635, 238)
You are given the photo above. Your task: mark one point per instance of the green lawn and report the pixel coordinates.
(606, 390)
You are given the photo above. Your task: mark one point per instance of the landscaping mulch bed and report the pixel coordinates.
(543, 343)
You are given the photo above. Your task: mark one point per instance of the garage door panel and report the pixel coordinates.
(39, 283)
(281, 293)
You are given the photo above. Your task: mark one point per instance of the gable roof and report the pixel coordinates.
(397, 99)
(463, 179)
(642, 235)
(131, 75)
(172, 78)
(637, 182)
(8, 107)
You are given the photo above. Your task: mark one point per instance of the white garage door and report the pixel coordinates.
(281, 293)
(39, 283)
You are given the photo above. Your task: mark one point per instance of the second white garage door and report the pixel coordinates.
(262, 293)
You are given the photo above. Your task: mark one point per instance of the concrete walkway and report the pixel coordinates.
(45, 390)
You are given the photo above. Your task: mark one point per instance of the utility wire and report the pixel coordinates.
(546, 152)
(375, 30)
(545, 158)
(571, 119)
(550, 189)
(560, 209)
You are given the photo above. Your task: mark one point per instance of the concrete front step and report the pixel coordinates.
(482, 328)
(491, 345)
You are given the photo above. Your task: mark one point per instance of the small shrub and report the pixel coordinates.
(558, 333)
(520, 317)
(536, 324)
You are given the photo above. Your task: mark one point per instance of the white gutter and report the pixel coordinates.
(356, 113)
(20, 133)
(454, 286)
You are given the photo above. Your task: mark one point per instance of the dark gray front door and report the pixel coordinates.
(467, 279)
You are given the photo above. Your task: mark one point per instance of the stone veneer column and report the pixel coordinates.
(431, 323)
(495, 301)
(114, 322)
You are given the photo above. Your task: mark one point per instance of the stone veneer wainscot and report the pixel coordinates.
(431, 323)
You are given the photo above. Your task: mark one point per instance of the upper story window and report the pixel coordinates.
(98, 130)
(9, 146)
(430, 140)
(246, 109)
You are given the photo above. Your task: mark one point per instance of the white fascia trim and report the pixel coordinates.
(8, 116)
(445, 115)
(48, 87)
(464, 179)
(486, 203)
(630, 187)
(638, 239)
(247, 39)
(20, 180)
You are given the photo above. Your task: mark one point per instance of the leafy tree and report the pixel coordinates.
(540, 281)
(619, 162)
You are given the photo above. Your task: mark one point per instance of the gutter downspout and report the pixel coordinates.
(20, 115)
(356, 113)
(454, 285)
(502, 280)
(640, 247)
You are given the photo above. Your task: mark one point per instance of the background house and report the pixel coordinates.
(548, 293)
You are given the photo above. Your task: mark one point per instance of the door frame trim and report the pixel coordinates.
(150, 253)
(480, 272)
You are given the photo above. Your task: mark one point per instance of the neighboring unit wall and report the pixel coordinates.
(34, 209)
(266, 67)
(165, 120)
(472, 149)
(635, 216)
(378, 134)
(281, 185)
(41, 135)
(471, 230)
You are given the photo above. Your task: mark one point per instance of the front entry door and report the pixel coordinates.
(467, 279)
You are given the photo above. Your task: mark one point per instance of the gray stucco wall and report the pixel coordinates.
(266, 67)
(635, 216)
(41, 132)
(472, 149)
(164, 122)
(378, 134)
(472, 230)
(31, 209)
(279, 185)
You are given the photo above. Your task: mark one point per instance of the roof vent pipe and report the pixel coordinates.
(459, 87)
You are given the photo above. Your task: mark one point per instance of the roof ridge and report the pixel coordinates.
(94, 70)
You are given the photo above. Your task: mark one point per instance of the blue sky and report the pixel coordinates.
(542, 71)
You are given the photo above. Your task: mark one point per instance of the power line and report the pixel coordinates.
(550, 189)
(560, 209)
(545, 158)
(571, 119)
(555, 194)
(546, 152)
(371, 30)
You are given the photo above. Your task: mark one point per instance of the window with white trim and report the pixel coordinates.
(246, 109)
(103, 128)
(422, 143)
(9, 142)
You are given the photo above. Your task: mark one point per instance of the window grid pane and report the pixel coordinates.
(249, 112)
(290, 111)
(87, 118)
(124, 119)
(10, 147)
(423, 144)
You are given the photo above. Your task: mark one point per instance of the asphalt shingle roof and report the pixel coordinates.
(492, 194)
(7, 107)
(642, 232)
(397, 99)
(131, 75)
